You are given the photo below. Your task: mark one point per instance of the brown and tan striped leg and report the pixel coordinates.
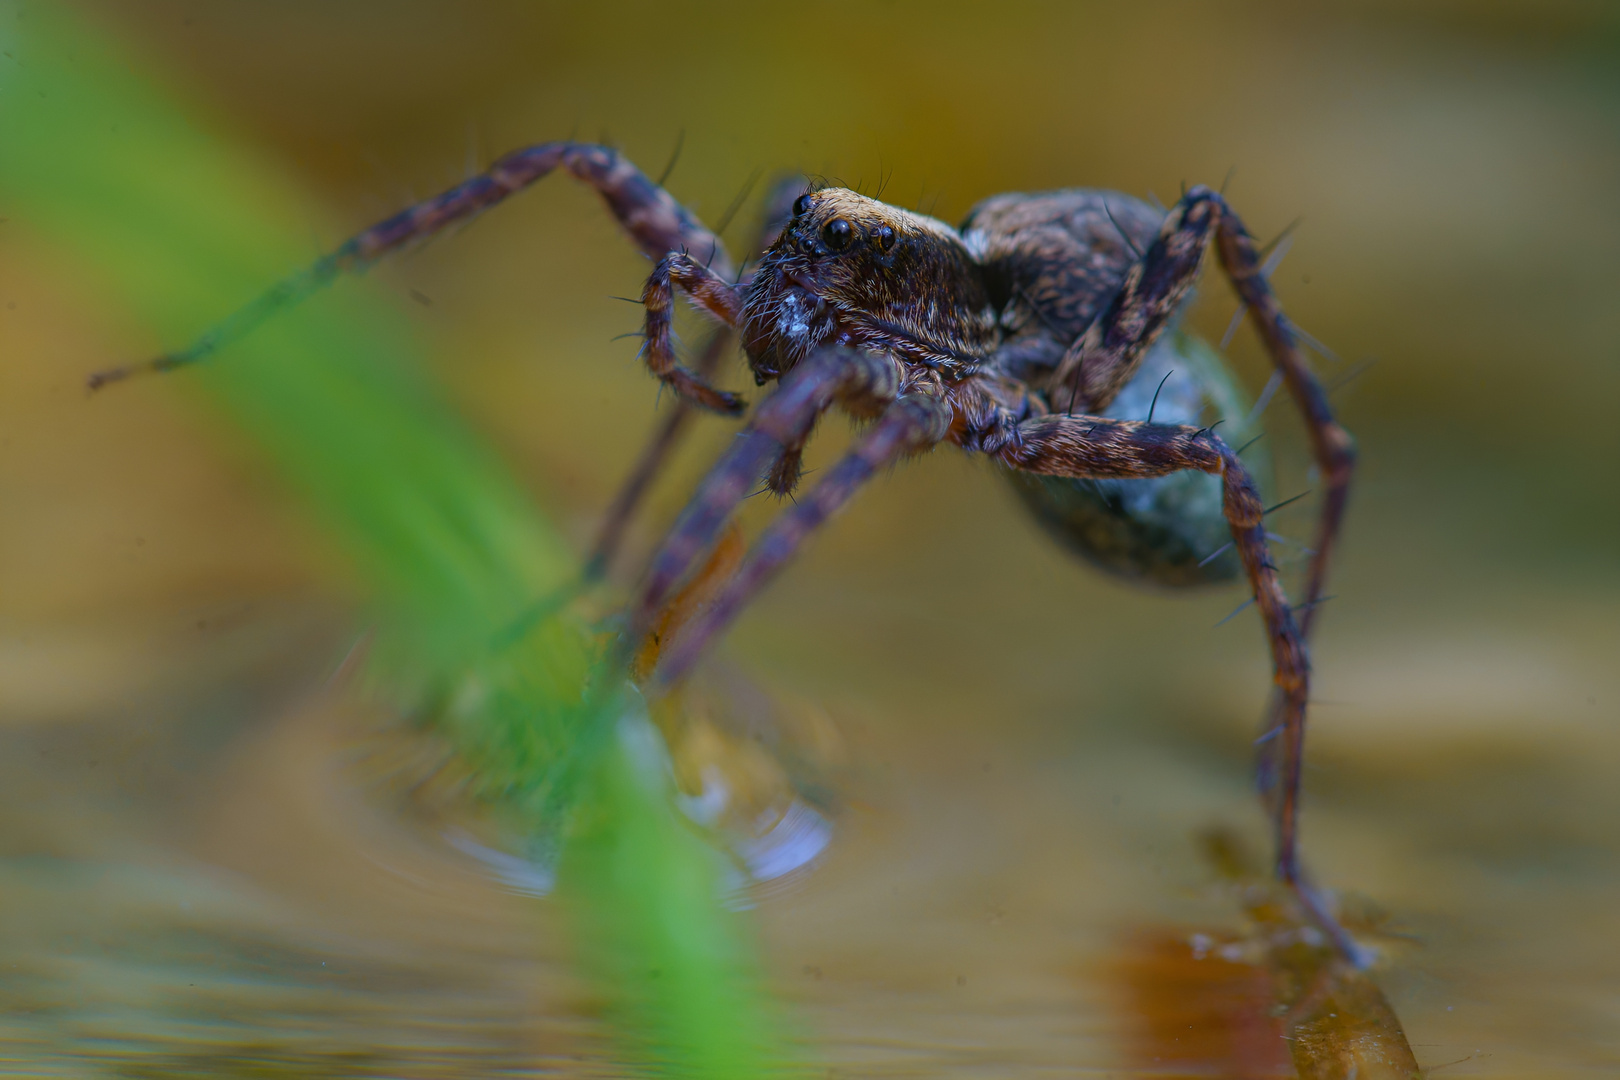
(676, 421)
(1094, 447)
(709, 291)
(858, 379)
(1103, 360)
(913, 423)
(1107, 355)
(655, 221)
(1331, 445)
(674, 424)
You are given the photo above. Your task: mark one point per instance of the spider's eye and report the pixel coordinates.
(837, 234)
(884, 235)
(803, 204)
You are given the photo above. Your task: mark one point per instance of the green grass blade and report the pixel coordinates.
(180, 226)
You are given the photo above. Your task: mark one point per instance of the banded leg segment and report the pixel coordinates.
(1103, 359)
(1107, 355)
(652, 459)
(778, 210)
(914, 422)
(655, 221)
(1331, 445)
(1093, 447)
(709, 291)
(829, 375)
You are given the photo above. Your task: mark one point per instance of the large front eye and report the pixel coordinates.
(802, 204)
(837, 234)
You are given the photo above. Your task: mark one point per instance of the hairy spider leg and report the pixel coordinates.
(652, 459)
(1087, 447)
(913, 423)
(1331, 445)
(711, 292)
(1105, 357)
(676, 421)
(864, 382)
(655, 221)
(783, 478)
(784, 474)
(1108, 353)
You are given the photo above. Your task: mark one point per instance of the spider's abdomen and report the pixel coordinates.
(1052, 261)
(1155, 531)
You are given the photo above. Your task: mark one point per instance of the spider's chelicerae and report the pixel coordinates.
(1021, 336)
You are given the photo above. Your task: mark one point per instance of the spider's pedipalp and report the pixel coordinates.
(713, 294)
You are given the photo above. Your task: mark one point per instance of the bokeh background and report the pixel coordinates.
(1034, 747)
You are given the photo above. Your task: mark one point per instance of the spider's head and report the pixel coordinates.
(850, 270)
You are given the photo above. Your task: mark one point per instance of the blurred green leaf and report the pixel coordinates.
(180, 225)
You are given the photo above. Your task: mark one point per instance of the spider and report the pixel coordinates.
(1017, 336)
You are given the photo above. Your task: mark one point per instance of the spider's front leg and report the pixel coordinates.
(1087, 447)
(778, 209)
(863, 381)
(650, 215)
(654, 455)
(913, 423)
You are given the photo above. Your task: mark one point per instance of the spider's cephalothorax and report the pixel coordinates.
(1029, 337)
(849, 270)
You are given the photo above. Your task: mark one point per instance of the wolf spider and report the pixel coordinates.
(1009, 337)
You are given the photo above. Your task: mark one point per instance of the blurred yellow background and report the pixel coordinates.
(1036, 744)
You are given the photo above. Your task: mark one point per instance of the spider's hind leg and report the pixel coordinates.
(1108, 354)
(1331, 445)
(1090, 446)
(1105, 357)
